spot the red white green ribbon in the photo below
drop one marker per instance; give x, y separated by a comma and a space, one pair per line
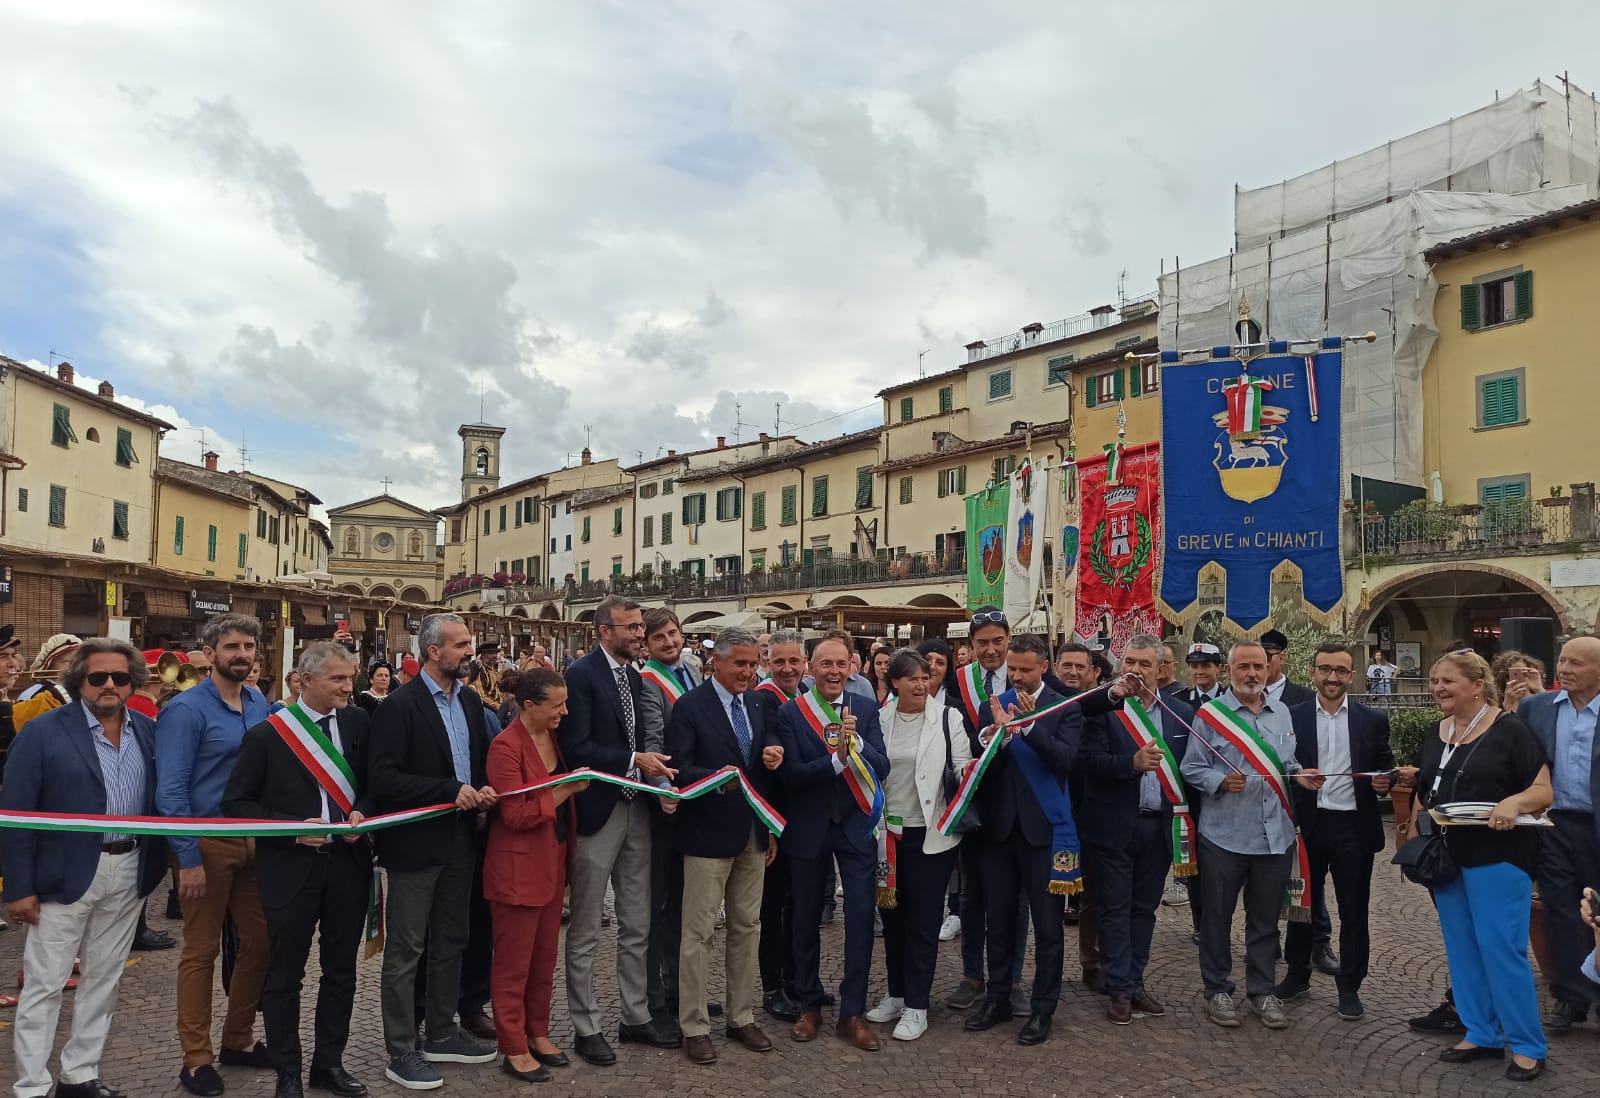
888, 861
1261, 758
819, 713
317, 754
969, 680
659, 673
1145, 731
772, 688
1113, 451
1244, 396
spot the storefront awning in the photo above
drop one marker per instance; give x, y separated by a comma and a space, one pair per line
312, 615
165, 604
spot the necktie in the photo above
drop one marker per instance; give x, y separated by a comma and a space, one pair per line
335, 814
741, 726
988, 682
627, 716
683, 676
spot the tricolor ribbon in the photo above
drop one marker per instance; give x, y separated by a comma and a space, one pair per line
1113, 452
969, 680
1145, 731
888, 861
863, 784
1244, 396
659, 673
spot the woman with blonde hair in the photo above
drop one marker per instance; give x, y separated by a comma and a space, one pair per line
1482, 753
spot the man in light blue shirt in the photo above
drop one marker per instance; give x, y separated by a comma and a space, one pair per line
455, 726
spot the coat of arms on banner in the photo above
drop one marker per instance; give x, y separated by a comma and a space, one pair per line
1123, 540
1120, 496
1252, 443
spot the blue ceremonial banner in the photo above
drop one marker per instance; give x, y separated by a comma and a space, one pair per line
1251, 478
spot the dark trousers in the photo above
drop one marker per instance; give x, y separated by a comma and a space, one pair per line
1128, 882
776, 951
911, 926
1262, 878
858, 871
332, 904
1011, 867
975, 913
433, 904
1569, 861
1335, 846
666, 921
477, 959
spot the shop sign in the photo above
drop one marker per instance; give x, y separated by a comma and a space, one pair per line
5, 584
205, 606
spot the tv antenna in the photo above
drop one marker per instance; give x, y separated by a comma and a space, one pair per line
919, 362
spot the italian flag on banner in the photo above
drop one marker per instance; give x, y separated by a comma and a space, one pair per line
1144, 730
1113, 451
1244, 396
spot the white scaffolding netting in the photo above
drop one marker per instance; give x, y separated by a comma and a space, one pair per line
1340, 251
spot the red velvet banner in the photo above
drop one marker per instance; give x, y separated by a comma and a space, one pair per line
1121, 545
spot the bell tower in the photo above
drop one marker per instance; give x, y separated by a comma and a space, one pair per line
480, 458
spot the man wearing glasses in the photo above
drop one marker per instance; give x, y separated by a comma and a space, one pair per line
1339, 822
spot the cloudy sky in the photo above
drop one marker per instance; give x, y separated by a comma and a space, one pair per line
325, 232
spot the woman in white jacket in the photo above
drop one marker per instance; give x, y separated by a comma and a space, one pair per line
922, 740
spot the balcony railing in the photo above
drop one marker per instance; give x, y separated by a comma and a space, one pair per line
847, 572
1492, 527
1060, 329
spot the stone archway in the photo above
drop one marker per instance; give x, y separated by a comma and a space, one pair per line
415, 595
943, 602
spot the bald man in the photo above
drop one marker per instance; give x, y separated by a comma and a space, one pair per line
1564, 721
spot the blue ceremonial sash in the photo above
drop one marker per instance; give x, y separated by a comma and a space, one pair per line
1066, 874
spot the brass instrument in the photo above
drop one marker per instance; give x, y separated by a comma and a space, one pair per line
167, 666
188, 675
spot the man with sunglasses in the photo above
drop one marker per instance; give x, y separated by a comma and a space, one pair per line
1339, 821
79, 893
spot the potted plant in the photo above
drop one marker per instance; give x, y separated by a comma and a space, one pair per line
1556, 499
1423, 528
1407, 727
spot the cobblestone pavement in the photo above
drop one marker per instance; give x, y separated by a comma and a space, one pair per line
1181, 1054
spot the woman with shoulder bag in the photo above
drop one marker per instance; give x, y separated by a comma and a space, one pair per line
919, 741
1484, 892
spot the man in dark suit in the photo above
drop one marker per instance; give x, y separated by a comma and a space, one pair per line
79, 893
1126, 825
313, 880
726, 848
428, 746
667, 677
1022, 794
1339, 821
604, 730
786, 663
1564, 721
817, 732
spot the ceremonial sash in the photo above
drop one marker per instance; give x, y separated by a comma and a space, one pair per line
774, 689
659, 673
1146, 731
317, 754
1261, 758
243, 828
974, 698
858, 776
888, 860
1066, 874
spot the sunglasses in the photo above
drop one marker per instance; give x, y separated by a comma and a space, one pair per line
990, 617
100, 678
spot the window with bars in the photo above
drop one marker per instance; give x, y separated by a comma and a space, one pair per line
61, 433
906, 484
758, 510
1501, 399
789, 505
125, 455
666, 528
730, 504
119, 520
1000, 384
863, 488
906, 412
947, 398
953, 482
58, 505
819, 496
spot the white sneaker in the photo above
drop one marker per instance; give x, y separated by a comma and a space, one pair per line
950, 930
912, 1024
888, 1010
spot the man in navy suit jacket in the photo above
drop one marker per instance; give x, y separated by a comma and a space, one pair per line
1564, 722
79, 892
825, 822
1339, 821
1126, 827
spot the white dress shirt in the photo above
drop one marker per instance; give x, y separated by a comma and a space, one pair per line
616, 665
1333, 757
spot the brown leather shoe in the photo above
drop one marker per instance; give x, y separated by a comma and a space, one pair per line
480, 1025
806, 1028
1147, 1004
750, 1037
1119, 1008
699, 1049
858, 1033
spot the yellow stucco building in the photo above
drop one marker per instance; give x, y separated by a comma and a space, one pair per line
206, 520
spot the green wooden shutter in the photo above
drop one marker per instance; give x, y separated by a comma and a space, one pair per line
177, 536
863, 488
947, 398
1090, 396
1116, 385
62, 432
1472, 307
211, 543
616, 521
119, 520
961, 481
758, 511
488, 521
585, 527
1135, 379
244, 549
938, 545
58, 505
1524, 291
22, 499
905, 490
819, 496
905, 409
789, 505
125, 455
666, 528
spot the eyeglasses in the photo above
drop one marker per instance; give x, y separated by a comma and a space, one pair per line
1339, 672
100, 678
990, 617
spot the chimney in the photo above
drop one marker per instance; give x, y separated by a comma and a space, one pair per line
766, 442
587, 456
64, 372
672, 453
106, 390
722, 442
1102, 315
211, 460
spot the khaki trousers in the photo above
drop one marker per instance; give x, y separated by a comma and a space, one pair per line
230, 866
708, 883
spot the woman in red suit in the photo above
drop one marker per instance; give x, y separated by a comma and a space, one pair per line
525, 873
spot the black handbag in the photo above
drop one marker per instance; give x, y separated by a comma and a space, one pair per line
1424, 858
952, 782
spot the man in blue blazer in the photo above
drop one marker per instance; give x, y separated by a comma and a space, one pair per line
826, 822
1339, 821
79, 892
1125, 822
1564, 721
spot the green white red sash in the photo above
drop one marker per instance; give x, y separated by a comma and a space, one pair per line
774, 689
819, 713
969, 680
1146, 731
244, 828
659, 673
317, 754
1261, 758
888, 860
